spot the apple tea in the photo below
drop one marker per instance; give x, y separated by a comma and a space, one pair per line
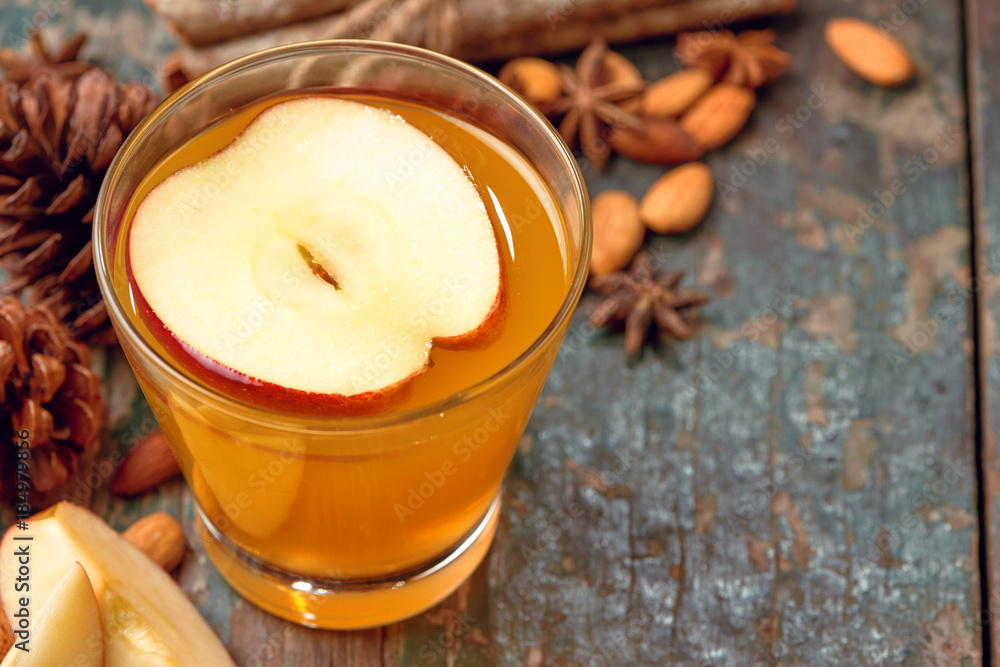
283, 500
341, 297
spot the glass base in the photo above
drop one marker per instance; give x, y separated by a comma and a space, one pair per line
339, 605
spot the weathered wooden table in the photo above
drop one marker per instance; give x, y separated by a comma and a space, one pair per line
814, 478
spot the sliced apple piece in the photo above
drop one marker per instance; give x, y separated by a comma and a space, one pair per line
147, 619
323, 253
67, 631
238, 467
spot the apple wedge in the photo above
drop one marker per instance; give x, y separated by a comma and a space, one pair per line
318, 257
68, 629
147, 619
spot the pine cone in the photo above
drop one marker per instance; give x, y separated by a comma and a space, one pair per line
61, 123
48, 390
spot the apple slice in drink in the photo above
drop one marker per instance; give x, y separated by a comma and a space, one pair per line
241, 466
315, 261
68, 629
147, 619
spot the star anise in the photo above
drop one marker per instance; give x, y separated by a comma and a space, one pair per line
19, 68
642, 299
749, 59
587, 105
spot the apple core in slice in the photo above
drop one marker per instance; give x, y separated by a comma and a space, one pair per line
325, 250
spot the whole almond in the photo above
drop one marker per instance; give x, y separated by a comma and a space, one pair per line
660, 141
536, 79
618, 233
619, 69
160, 537
678, 200
147, 465
719, 114
870, 53
673, 95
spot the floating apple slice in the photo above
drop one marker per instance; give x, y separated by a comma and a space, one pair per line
238, 466
147, 619
68, 629
320, 255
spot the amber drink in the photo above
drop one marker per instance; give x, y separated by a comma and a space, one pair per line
357, 518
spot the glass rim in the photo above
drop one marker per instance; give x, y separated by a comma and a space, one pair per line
341, 423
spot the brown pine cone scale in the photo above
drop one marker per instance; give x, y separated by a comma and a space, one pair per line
61, 123
48, 390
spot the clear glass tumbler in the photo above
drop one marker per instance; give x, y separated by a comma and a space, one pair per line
301, 514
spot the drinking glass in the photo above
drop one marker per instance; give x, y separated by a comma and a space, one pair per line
341, 522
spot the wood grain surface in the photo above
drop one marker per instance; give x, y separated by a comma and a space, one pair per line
797, 484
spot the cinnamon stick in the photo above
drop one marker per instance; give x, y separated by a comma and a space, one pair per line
576, 32
201, 22
479, 31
